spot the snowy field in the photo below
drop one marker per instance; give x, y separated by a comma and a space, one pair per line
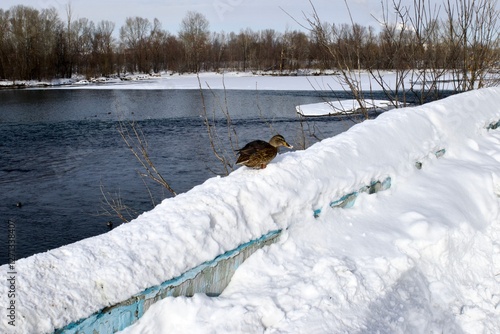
420, 257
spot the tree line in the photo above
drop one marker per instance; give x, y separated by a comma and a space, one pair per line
38, 44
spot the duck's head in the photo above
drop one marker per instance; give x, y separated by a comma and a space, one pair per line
278, 141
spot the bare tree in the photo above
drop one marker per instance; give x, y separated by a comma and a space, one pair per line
296, 50
194, 35
269, 49
134, 36
473, 33
218, 50
82, 31
157, 50
408, 44
5, 47
328, 37
103, 48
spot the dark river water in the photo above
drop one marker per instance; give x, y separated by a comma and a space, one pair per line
61, 149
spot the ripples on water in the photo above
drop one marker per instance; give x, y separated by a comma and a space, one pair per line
57, 147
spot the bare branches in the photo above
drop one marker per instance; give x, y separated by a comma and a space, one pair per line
215, 140
112, 206
328, 37
472, 32
420, 48
134, 138
455, 34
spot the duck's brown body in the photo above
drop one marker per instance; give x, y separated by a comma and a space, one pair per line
258, 153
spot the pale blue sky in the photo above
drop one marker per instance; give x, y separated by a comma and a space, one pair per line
223, 15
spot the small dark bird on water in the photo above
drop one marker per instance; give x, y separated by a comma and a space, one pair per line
258, 153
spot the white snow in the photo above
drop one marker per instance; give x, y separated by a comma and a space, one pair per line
249, 81
309, 80
229, 80
343, 107
420, 257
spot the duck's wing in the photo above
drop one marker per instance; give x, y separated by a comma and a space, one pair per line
253, 147
256, 154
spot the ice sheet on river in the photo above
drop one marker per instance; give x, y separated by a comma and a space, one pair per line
343, 107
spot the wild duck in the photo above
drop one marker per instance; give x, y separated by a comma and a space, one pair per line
258, 153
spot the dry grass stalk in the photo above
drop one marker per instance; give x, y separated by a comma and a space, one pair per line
135, 140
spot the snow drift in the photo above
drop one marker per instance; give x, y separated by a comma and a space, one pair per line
74, 281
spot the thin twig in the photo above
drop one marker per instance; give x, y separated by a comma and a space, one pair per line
137, 144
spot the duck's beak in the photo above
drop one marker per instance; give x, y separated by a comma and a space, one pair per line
288, 145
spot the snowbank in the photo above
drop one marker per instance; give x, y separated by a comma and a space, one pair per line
447, 215
421, 257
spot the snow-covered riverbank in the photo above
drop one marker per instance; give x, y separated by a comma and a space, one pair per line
305, 80
423, 256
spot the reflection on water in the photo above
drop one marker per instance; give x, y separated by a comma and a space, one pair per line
57, 147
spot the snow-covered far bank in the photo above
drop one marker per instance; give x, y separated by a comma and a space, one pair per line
207, 80
228, 80
420, 257
301, 81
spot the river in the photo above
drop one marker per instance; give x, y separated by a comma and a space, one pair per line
61, 149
